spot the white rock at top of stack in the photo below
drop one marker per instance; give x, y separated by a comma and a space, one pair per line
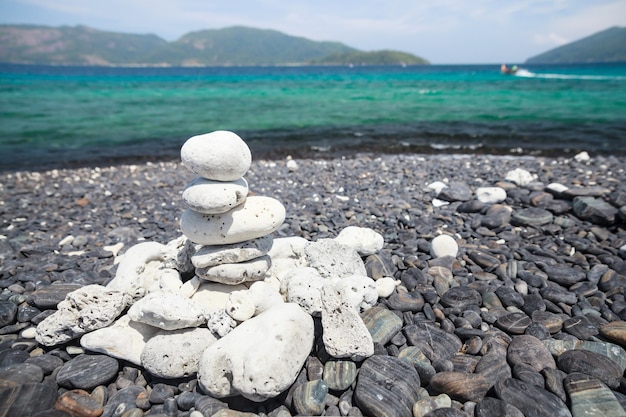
214, 197
219, 155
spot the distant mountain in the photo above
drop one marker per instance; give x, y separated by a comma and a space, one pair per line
81, 45
606, 46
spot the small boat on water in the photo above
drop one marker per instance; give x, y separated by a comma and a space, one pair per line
506, 70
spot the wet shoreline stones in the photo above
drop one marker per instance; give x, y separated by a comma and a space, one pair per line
529, 282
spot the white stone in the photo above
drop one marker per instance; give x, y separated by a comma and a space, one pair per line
213, 295
138, 269
385, 286
178, 254
83, 310
124, 339
444, 245
169, 280
212, 255
304, 287
490, 195
219, 322
556, 188
343, 332
264, 296
240, 305
287, 254
189, 288
582, 157
358, 291
219, 155
237, 273
29, 333
362, 239
175, 354
213, 197
520, 177
334, 260
292, 165
166, 311
437, 186
261, 357
257, 216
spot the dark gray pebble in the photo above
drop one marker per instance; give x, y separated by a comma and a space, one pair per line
530, 399
461, 386
461, 297
8, 311
87, 371
531, 216
406, 301
432, 340
581, 327
590, 397
494, 407
25, 399
594, 210
513, 323
592, 364
50, 295
22, 373
528, 350
122, 401
446, 412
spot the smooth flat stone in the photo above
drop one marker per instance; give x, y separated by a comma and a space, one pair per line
422, 364
213, 255
494, 407
528, 350
256, 217
309, 398
590, 397
494, 367
387, 387
87, 372
513, 323
594, 210
490, 195
381, 323
435, 342
531, 216
339, 375
612, 351
79, 403
615, 331
219, 155
124, 399
460, 385
530, 399
237, 273
214, 197
564, 275
406, 301
25, 399
21, 373
593, 364
8, 311
51, 295
581, 327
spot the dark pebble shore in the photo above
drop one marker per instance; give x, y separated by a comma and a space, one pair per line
528, 319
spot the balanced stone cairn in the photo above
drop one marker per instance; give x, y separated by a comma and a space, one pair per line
227, 302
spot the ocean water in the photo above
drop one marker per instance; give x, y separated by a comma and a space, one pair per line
63, 116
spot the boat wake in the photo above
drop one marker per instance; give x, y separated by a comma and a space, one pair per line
528, 74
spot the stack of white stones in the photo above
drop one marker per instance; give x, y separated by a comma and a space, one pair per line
233, 229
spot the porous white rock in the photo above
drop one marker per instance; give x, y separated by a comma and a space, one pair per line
237, 273
304, 287
264, 296
189, 288
212, 255
124, 339
334, 260
490, 195
344, 333
358, 291
83, 310
240, 305
169, 280
444, 245
385, 286
175, 354
261, 357
520, 177
257, 216
178, 254
168, 311
287, 254
138, 269
219, 155
213, 197
213, 295
219, 322
364, 240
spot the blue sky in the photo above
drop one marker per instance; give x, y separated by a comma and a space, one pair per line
442, 31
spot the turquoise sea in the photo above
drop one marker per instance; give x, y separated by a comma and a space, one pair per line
67, 116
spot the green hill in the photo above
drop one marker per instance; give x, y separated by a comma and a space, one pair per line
606, 46
81, 45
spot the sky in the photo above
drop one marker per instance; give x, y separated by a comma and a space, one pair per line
441, 31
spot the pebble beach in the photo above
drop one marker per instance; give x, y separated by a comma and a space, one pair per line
527, 319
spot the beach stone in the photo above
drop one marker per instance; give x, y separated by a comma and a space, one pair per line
531, 216
610, 350
49, 296
490, 195
418, 359
380, 265
558, 294
214, 197
385, 286
8, 312
520, 176
615, 331
528, 350
339, 375
237, 273
211, 255
447, 412
304, 287
461, 297
240, 305
78, 403
591, 363
455, 191
261, 357
564, 275
309, 398
554, 378
345, 335
175, 354
87, 371
124, 339
83, 310
530, 399
387, 387
214, 295
21, 373
334, 260
406, 301
581, 327
123, 401
589, 397
359, 291
166, 311
494, 407
460, 386
381, 323
25, 399
444, 245
436, 343
264, 296
256, 217
594, 210
220, 155
364, 240
514, 323
47, 362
